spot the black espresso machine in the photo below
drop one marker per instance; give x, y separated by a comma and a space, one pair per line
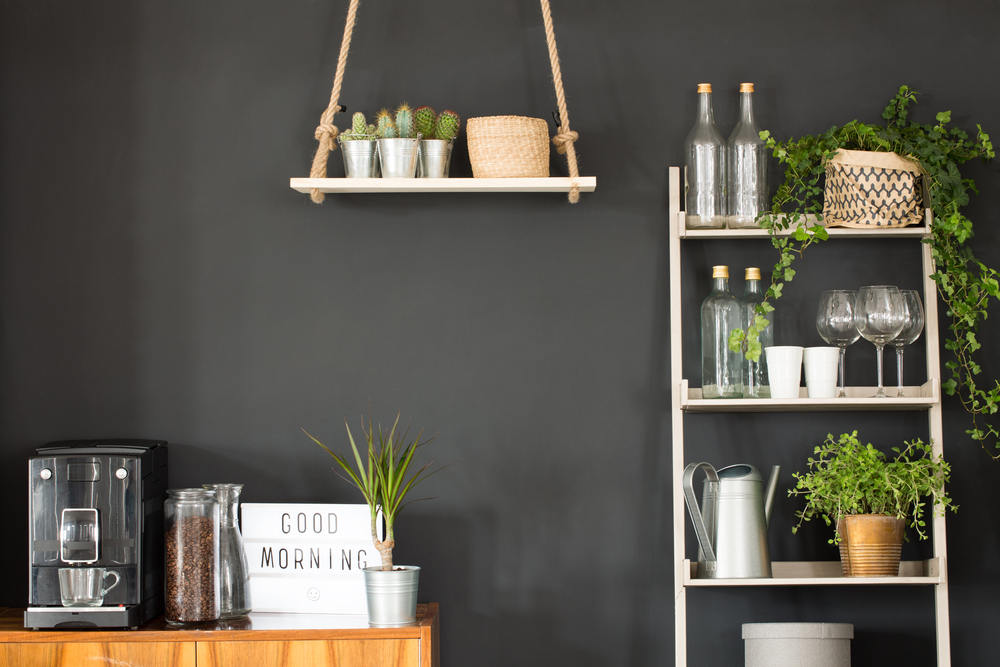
95, 511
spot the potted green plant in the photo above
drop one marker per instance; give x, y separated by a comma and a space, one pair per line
966, 285
437, 132
870, 497
385, 474
398, 142
357, 146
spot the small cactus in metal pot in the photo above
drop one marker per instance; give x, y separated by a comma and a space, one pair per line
404, 121
359, 124
385, 128
447, 125
423, 121
360, 129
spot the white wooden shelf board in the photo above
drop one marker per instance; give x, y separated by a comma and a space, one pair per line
823, 573
922, 397
917, 231
368, 185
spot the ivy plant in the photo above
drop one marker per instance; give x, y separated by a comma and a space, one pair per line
965, 284
844, 477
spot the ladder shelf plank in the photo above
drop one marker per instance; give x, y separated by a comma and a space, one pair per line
823, 573
921, 397
912, 232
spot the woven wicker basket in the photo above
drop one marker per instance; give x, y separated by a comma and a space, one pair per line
508, 147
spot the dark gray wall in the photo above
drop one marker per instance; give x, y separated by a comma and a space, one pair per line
159, 279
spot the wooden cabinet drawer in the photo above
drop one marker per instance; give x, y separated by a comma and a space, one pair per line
315, 653
87, 654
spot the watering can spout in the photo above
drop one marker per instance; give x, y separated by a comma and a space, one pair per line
772, 486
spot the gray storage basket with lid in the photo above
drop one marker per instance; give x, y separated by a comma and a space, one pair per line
798, 644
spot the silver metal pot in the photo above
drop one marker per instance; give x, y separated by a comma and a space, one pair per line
392, 594
435, 158
398, 157
359, 157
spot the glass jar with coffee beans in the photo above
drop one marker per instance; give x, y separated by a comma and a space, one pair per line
191, 556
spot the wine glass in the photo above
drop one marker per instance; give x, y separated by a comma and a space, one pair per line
911, 330
879, 314
835, 324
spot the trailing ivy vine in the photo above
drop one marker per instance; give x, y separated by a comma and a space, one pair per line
966, 285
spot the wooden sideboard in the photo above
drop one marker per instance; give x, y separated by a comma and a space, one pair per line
263, 640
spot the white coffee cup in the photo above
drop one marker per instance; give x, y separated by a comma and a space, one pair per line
784, 370
821, 371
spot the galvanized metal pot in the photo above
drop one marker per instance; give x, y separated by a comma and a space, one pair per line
359, 157
392, 595
435, 158
398, 157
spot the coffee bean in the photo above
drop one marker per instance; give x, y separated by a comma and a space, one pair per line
190, 563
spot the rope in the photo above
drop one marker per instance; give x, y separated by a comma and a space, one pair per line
565, 138
326, 132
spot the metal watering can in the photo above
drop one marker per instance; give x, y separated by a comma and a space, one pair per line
731, 525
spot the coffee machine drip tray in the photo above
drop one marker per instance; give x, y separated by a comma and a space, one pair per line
38, 618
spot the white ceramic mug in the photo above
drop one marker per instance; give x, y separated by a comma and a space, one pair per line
821, 371
784, 370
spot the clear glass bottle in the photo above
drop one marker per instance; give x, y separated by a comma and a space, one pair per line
746, 167
755, 383
191, 556
234, 573
705, 168
721, 313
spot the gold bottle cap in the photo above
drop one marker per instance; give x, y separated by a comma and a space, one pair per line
704, 87
721, 271
751, 273
746, 87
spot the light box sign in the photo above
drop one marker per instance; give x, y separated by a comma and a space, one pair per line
308, 558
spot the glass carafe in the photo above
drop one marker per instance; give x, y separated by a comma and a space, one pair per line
705, 168
721, 313
234, 574
746, 167
755, 383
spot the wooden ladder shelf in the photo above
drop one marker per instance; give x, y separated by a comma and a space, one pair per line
933, 572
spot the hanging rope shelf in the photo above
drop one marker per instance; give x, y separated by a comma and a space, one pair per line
317, 185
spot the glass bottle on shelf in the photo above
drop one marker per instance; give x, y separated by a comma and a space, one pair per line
705, 168
755, 383
234, 574
746, 167
721, 313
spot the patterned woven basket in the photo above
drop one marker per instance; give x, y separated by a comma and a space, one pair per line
872, 189
508, 147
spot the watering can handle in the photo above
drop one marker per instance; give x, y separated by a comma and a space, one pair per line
700, 531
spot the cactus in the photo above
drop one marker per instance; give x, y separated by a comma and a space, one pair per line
423, 121
447, 125
385, 128
358, 124
372, 133
404, 121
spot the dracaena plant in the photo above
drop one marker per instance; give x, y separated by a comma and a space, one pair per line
384, 474
965, 284
845, 477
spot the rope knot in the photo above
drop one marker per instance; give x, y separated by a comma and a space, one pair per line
328, 131
563, 138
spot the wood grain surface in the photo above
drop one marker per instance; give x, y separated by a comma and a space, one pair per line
82, 654
12, 630
315, 653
